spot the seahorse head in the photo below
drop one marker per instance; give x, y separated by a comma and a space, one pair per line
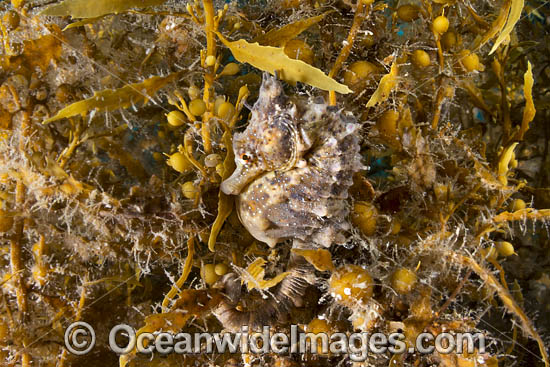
270, 141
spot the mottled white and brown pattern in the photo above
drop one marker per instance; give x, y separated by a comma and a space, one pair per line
295, 163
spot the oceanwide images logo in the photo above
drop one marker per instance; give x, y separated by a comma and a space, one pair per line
123, 339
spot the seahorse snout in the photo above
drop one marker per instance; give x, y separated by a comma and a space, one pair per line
238, 180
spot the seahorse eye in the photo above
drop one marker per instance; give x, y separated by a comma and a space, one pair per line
245, 157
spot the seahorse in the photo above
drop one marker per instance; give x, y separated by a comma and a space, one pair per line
295, 163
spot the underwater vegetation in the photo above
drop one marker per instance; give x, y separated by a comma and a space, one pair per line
340, 165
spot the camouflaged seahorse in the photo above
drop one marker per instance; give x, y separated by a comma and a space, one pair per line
295, 163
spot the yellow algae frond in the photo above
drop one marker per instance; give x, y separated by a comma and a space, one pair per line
93, 9
320, 258
497, 25
254, 276
274, 60
513, 17
504, 163
225, 202
278, 37
387, 84
112, 99
529, 111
